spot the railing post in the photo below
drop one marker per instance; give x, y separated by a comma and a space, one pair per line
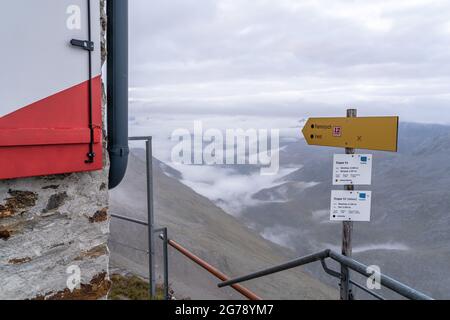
347, 230
166, 264
151, 242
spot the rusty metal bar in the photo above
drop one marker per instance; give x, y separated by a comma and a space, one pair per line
218, 274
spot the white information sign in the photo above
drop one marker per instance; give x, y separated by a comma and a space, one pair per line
352, 169
350, 205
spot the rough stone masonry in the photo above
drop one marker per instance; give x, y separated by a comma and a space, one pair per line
53, 227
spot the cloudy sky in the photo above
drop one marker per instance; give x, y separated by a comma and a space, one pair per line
291, 57
270, 63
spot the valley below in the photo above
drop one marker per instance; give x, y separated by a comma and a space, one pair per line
254, 223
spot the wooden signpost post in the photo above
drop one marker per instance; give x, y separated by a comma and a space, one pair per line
347, 231
372, 133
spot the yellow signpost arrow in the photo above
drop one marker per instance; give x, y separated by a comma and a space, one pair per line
372, 133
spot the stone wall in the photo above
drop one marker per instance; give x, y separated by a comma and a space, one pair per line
51, 228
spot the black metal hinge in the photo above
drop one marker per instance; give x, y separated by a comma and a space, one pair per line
83, 44
91, 157
88, 46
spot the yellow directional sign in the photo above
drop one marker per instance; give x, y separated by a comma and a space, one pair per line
372, 133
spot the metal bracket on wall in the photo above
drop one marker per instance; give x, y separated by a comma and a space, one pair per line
83, 44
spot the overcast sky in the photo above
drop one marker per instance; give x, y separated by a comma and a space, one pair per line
291, 57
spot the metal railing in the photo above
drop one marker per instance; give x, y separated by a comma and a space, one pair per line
344, 261
212, 270
150, 210
163, 235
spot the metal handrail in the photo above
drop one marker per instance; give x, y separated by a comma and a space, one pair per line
352, 264
202, 263
337, 275
279, 268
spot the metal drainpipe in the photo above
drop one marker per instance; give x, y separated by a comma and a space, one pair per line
117, 89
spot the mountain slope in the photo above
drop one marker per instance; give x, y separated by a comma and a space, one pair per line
409, 234
202, 227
